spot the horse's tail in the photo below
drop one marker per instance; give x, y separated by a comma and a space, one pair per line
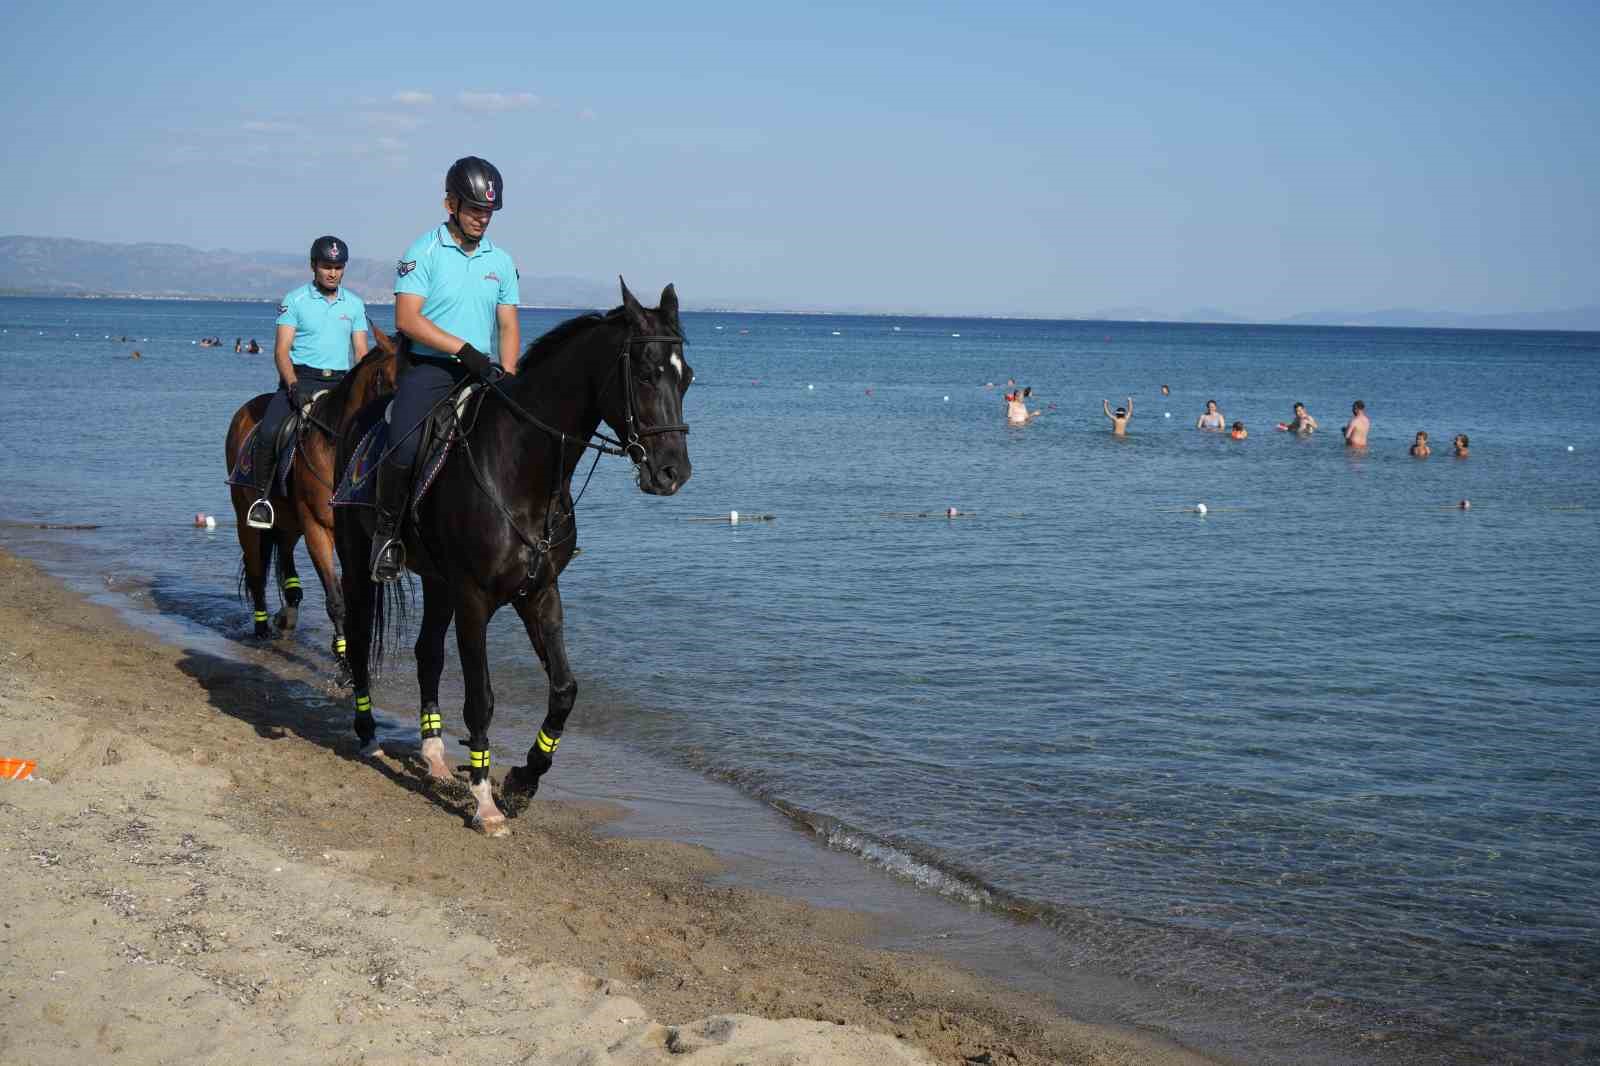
391, 606
270, 564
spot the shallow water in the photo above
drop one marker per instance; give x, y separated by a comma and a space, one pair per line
1323, 760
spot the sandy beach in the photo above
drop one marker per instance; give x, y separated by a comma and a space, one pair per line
201, 874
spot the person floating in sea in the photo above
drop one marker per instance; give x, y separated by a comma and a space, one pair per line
253, 348
1213, 418
1461, 443
1166, 390
1302, 422
1238, 432
1356, 430
1017, 412
1119, 417
319, 325
1420, 449
454, 325
238, 345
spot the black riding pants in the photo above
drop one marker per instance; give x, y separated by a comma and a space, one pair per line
424, 383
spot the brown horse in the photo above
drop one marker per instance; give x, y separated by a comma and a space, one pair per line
306, 511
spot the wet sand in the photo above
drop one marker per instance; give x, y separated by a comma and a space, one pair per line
207, 873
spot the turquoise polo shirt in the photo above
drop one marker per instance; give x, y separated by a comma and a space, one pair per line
322, 327
459, 291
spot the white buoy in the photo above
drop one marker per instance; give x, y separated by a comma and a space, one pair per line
1200, 508
947, 399
1569, 447
211, 521
733, 517
810, 387
1168, 414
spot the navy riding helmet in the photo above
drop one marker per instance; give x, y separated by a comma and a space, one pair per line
330, 250
475, 181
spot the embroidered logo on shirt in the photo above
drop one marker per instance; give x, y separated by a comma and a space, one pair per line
405, 266
344, 318
283, 309
492, 276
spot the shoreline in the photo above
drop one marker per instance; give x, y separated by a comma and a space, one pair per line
264, 781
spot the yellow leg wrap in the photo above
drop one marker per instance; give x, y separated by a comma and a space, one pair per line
480, 759
363, 704
338, 645
546, 742
291, 583
261, 616
432, 723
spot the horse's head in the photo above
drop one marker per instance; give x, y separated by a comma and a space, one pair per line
646, 412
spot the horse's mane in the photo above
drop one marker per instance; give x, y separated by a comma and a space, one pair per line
559, 335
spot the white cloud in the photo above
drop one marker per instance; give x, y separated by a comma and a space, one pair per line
492, 102
413, 97
390, 120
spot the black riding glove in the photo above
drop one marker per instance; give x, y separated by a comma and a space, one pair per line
475, 361
295, 399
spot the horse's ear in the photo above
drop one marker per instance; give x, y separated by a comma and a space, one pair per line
632, 307
668, 307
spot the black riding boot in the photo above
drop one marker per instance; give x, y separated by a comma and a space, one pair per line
260, 515
388, 550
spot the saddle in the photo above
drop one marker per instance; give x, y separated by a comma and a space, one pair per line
358, 482
289, 430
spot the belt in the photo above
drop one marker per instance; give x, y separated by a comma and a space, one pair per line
317, 372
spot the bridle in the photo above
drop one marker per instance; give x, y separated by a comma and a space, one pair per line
632, 447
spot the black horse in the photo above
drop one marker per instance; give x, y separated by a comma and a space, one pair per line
497, 525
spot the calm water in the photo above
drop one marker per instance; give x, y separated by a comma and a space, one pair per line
1326, 756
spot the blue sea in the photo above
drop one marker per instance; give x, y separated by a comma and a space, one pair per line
1322, 762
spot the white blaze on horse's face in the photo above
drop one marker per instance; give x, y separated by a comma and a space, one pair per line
677, 365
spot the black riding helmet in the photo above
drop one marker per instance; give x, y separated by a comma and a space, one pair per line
330, 250
475, 181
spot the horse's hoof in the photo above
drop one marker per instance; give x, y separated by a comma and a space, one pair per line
342, 677
492, 827
287, 618
371, 749
521, 780
263, 631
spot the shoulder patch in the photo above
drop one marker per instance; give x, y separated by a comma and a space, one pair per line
283, 309
405, 266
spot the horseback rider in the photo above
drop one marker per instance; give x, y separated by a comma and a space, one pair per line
319, 325
455, 303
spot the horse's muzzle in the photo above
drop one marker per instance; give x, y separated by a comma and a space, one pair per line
664, 475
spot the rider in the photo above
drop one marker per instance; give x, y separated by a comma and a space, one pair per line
455, 303
319, 324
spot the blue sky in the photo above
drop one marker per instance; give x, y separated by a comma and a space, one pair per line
964, 158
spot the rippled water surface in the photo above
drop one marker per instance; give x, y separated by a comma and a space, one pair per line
1327, 753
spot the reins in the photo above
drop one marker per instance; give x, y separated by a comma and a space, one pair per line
606, 445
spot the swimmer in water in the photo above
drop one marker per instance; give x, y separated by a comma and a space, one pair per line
1302, 423
1420, 449
1356, 430
1017, 413
1238, 432
1119, 418
1212, 420
1166, 390
1461, 443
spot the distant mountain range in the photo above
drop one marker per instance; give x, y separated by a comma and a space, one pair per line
63, 267
59, 267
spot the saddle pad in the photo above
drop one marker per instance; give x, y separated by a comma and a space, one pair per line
358, 485
244, 468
